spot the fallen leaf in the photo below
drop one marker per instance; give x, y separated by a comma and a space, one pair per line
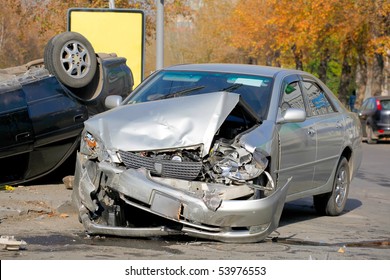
51, 214
341, 250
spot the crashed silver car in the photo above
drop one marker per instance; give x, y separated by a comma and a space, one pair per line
214, 151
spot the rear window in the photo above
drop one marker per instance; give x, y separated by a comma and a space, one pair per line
385, 104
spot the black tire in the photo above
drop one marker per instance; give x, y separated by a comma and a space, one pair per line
47, 55
71, 58
333, 203
369, 134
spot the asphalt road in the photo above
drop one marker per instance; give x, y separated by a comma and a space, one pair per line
44, 218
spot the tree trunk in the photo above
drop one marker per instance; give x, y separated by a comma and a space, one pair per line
361, 81
386, 74
268, 60
251, 60
298, 56
345, 80
377, 75
277, 58
322, 69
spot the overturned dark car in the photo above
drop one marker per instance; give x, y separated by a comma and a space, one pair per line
44, 103
214, 151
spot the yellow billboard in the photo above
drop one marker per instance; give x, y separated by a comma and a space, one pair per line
120, 31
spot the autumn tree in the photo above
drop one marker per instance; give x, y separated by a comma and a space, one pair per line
373, 44
346, 43
200, 36
19, 42
283, 32
312, 35
363, 31
252, 34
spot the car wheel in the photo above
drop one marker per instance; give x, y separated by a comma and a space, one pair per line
333, 203
370, 134
47, 55
71, 58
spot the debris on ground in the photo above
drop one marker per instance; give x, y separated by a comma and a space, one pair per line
68, 182
11, 244
6, 188
341, 250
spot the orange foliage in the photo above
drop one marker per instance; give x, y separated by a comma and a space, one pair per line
306, 26
274, 32
19, 42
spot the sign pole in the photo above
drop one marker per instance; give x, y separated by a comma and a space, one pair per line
160, 35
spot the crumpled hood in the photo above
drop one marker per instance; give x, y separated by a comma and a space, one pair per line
164, 124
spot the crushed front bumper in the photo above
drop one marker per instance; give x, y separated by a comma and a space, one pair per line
201, 213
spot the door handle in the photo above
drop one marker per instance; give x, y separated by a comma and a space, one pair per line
79, 118
21, 136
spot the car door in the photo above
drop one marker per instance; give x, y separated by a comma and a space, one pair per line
57, 120
329, 127
297, 141
17, 136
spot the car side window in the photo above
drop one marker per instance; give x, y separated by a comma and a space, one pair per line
318, 101
292, 97
371, 104
364, 105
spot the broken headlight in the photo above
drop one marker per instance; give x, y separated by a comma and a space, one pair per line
89, 145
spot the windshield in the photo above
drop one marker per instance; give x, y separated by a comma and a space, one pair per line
254, 90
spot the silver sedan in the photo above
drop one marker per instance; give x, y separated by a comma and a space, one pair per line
214, 151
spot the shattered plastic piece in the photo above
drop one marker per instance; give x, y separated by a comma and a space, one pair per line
7, 188
11, 244
341, 250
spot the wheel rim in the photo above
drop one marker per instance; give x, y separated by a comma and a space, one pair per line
341, 187
75, 59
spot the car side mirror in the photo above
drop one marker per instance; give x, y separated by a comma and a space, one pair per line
292, 115
113, 101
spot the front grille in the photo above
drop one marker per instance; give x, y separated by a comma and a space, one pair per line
187, 170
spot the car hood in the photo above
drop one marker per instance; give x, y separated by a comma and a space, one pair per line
164, 124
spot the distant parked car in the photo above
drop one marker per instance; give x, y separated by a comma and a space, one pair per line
214, 151
375, 118
44, 103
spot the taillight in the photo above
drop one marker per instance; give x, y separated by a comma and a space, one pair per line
381, 131
378, 105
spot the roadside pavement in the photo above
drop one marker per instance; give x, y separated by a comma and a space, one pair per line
37, 210
42, 199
